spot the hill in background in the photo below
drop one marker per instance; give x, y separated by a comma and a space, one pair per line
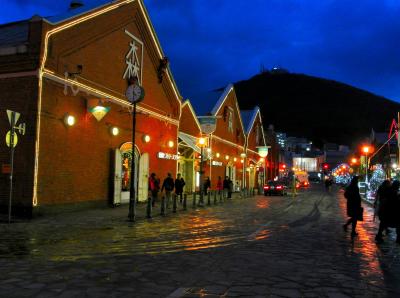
319, 109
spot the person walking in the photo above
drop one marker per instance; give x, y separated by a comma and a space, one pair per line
354, 209
154, 187
168, 185
392, 209
230, 190
179, 184
206, 185
220, 186
225, 185
381, 208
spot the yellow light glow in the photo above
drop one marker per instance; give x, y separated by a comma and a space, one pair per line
242, 155
226, 157
262, 159
242, 161
235, 159
171, 144
146, 138
202, 141
366, 149
209, 150
218, 155
69, 120
354, 160
114, 131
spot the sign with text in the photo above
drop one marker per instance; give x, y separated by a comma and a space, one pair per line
163, 155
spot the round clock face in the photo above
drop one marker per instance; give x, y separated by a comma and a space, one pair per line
135, 93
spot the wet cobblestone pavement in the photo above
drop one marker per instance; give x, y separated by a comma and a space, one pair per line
254, 247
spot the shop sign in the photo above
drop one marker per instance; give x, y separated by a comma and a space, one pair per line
163, 155
208, 124
216, 163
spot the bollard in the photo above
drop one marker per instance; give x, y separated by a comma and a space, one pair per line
149, 208
209, 198
194, 200
215, 197
174, 203
163, 202
184, 201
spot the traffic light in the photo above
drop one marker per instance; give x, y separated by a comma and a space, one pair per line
325, 166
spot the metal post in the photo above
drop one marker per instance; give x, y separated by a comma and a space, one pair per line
11, 164
132, 195
184, 201
174, 203
149, 207
194, 200
366, 169
201, 200
163, 202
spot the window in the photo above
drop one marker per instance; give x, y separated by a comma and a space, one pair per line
230, 120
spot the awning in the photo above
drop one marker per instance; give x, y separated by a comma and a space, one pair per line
189, 141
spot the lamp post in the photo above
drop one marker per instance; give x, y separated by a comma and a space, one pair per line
243, 156
366, 150
202, 143
135, 94
263, 152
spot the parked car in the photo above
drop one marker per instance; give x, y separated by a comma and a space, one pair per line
275, 188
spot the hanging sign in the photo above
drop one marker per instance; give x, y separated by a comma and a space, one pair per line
208, 124
216, 163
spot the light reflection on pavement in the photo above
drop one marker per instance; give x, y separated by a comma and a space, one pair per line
265, 244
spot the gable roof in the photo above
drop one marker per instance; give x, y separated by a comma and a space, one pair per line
187, 102
99, 7
249, 118
73, 13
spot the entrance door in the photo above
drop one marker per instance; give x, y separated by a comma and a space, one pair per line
143, 177
117, 177
126, 157
251, 177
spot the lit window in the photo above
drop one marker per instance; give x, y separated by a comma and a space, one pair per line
230, 121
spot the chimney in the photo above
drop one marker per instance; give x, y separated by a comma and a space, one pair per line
75, 4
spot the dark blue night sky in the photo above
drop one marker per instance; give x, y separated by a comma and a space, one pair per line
211, 43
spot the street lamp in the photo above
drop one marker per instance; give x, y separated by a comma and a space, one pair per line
263, 152
366, 150
243, 161
202, 144
135, 94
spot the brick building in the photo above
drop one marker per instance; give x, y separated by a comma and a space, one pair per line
71, 68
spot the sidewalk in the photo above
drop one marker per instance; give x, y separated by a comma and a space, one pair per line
105, 216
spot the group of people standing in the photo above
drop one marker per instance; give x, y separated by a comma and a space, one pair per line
387, 207
170, 185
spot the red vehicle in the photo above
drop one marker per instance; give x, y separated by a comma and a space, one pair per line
274, 188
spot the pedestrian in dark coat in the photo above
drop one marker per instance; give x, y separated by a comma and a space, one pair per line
207, 185
393, 209
352, 194
381, 209
168, 185
225, 185
179, 184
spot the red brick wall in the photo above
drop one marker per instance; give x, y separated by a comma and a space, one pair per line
74, 163
20, 95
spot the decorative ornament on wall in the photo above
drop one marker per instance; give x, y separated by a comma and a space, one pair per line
97, 108
162, 68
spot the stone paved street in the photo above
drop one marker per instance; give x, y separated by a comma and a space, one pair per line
254, 247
